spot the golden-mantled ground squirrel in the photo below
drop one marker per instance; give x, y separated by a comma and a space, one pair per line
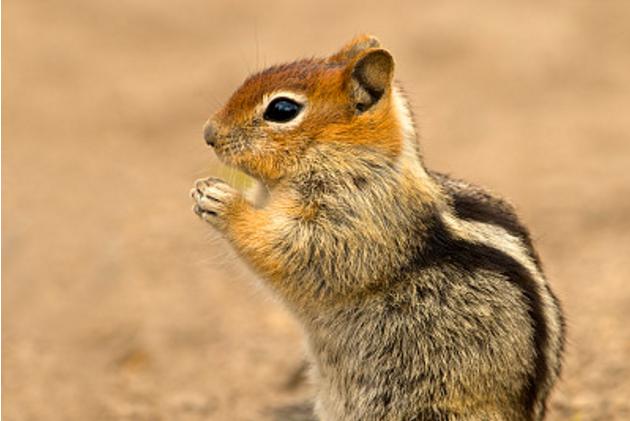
421, 296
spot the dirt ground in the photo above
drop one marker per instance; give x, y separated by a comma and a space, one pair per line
118, 304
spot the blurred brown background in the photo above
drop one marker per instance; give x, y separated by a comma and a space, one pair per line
118, 304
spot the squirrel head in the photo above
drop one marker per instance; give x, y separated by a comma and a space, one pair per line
278, 114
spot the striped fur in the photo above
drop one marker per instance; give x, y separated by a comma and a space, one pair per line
422, 297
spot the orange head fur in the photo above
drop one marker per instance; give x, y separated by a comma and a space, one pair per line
345, 99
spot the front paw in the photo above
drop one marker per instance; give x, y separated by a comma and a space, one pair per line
215, 201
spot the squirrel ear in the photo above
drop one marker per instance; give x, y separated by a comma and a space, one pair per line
371, 75
354, 47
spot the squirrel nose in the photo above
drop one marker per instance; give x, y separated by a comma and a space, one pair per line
210, 134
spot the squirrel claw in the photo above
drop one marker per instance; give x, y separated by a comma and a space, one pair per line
213, 199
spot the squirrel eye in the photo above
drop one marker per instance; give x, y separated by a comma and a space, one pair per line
282, 110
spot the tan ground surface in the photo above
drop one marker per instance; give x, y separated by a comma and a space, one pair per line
118, 304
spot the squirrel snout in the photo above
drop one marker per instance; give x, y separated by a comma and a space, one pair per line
210, 134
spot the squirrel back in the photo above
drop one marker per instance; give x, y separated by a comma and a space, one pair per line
422, 297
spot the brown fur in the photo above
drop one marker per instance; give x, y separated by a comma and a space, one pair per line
422, 297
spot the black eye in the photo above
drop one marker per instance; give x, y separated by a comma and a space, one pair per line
282, 110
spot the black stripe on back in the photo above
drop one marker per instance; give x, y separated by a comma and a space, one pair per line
472, 203
441, 248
